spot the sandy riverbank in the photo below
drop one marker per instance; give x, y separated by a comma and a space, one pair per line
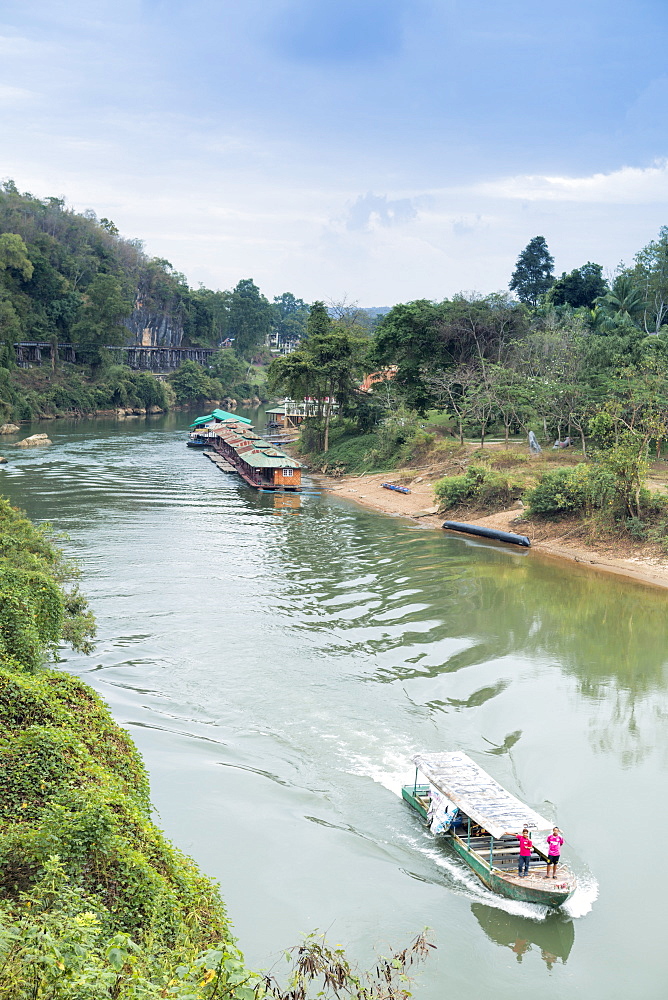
550, 539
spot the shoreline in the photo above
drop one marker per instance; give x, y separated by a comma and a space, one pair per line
419, 506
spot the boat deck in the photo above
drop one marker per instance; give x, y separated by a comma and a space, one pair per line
506, 858
219, 462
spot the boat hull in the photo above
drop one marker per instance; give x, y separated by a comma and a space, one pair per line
525, 890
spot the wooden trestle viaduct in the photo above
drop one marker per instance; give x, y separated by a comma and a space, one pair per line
151, 359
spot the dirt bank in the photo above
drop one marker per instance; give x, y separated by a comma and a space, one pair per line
557, 540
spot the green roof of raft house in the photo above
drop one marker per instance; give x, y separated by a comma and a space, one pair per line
220, 415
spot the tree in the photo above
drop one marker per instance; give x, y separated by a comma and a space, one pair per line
14, 255
192, 384
319, 321
580, 288
208, 317
250, 318
411, 338
290, 316
621, 305
424, 339
326, 368
451, 389
533, 274
651, 275
106, 305
228, 368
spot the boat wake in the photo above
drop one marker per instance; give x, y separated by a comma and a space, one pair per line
464, 882
583, 898
390, 772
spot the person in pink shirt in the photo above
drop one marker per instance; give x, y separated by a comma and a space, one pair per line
554, 845
526, 848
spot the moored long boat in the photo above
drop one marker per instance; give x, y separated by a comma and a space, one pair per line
474, 813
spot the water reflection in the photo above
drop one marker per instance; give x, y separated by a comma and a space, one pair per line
553, 937
287, 503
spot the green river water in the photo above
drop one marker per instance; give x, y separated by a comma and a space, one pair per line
278, 660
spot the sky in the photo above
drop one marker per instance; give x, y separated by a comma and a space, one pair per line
376, 151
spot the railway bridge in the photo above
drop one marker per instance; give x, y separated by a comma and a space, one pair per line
151, 359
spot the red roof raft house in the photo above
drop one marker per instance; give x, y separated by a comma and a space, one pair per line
258, 462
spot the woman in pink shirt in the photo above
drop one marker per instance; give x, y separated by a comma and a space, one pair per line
526, 848
554, 841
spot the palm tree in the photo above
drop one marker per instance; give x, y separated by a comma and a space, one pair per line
623, 305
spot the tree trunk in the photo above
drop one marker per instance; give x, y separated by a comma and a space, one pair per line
461, 431
328, 410
584, 445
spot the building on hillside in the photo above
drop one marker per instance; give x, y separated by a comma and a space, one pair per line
385, 375
281, 344
291, 414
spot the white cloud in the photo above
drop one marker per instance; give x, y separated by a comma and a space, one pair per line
14, 95
372, 210
626, 186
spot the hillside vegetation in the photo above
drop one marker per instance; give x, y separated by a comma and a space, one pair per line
71, 278
95, 903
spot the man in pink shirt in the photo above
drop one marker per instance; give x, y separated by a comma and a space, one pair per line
526, 847
554, 842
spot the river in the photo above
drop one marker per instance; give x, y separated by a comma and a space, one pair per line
278, 659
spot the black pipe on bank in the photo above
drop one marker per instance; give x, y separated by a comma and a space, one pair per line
499, 536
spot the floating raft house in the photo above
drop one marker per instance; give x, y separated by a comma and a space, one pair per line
261, 464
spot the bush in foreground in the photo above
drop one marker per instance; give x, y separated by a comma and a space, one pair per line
480, 486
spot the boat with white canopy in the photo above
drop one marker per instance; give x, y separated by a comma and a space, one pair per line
462, 802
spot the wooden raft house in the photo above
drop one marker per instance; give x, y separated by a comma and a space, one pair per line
261, 464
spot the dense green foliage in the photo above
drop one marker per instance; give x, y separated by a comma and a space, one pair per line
479, 485
94, 902
86, 284
39, 391
71, 278
581, 287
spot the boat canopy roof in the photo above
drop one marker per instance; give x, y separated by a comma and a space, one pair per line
220, 415
477, 795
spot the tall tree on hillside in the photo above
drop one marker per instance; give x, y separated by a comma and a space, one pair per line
105, 308
534, 272
250, 318
15, 268
14, 255
319, 321
290, 318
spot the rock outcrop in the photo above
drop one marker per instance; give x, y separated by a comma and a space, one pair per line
34, 441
